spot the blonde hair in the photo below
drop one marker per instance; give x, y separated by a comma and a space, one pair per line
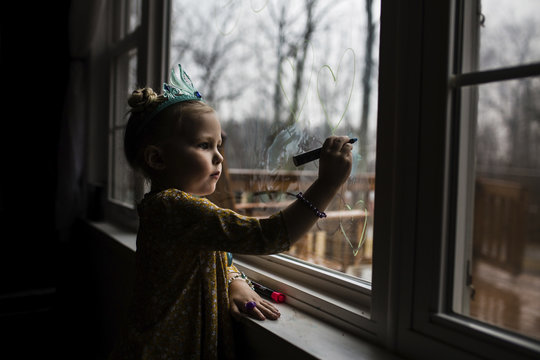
141, 132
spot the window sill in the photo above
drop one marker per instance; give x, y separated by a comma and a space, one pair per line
303, 335
296, 332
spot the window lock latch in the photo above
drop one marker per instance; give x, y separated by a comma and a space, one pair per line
469, 280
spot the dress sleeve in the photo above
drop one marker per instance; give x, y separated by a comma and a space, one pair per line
199, 223
232, 269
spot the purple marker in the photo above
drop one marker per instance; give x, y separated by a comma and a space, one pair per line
312, 155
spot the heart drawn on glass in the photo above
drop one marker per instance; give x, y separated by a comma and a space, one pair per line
362, 229
291, 71
333, 80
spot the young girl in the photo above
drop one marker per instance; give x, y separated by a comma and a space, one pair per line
186, 287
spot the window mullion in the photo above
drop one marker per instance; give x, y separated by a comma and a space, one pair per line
488, 76
464, 107
154, 43
130, 41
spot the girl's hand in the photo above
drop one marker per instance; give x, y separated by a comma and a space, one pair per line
335, 162
240, 293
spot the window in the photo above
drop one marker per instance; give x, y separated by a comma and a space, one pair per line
122, 177
124, 60
466, 281
135, 56
496, 262
307, 70
450, 125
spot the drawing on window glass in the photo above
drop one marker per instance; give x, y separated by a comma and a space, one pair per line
333, 122
283, 76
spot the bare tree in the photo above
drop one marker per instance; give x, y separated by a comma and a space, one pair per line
301, 55
366, 77
280, 55
514, 103
211, 50
298, 50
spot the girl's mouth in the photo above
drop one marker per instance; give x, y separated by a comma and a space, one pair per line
216, 174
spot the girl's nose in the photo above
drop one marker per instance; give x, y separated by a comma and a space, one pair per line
218, 158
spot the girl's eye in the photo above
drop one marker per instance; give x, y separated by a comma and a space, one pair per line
204, 145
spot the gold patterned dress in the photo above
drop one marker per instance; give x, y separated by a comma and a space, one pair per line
180, 306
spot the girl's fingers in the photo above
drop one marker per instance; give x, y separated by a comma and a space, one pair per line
258, 314
336, 143
255, 311
262, 311
346, 148
269, 310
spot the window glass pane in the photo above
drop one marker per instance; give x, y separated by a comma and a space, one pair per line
122, 189
510, 33
506, 218
122, 177
125, 83
283, 76
133, 14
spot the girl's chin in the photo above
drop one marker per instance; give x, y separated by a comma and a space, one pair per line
205, 192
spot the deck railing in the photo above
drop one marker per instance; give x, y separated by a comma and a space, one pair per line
500, 208
333, 242
499, 225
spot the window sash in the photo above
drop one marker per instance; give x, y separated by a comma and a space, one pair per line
122, 45
430, 275
147, 38
334, 297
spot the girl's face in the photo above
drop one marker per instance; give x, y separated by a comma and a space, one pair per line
192, 159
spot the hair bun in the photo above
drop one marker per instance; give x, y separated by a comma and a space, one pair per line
143, 100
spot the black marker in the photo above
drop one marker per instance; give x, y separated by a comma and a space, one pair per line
312, 155
263, 290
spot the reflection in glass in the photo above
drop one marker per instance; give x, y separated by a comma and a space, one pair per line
509, 33
506, 235
283, 76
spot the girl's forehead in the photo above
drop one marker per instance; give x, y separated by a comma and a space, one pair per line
206, 123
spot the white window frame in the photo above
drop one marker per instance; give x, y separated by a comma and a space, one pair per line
426, 320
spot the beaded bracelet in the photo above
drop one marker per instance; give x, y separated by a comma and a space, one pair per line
300, 196
241, 276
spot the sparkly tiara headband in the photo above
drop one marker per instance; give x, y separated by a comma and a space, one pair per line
180, 89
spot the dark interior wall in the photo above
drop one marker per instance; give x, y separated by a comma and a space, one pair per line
34, 67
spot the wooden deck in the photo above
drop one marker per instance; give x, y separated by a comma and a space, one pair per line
506, 271
506, 299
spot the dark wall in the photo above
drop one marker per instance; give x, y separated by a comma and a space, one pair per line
34, 63
34, 67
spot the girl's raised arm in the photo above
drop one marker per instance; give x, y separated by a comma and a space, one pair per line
334, 169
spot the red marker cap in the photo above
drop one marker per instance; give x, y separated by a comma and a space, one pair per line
278, 297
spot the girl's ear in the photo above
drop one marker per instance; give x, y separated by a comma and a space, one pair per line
153, 157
